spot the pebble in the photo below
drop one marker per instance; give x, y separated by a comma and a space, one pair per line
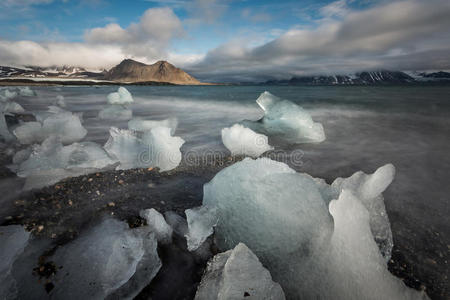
40, 228
111, 204
121, 181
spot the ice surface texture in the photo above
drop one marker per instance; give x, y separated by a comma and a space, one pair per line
56, 122
315, 247
237, 274
13, 240
158, 225
121, 97
244, 141
154, 148
109, 260
50, 161
138, 124
286, 121
201, 222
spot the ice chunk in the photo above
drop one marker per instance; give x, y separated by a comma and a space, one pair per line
4, 131
368, 189
108, 260
56, 122
158, 225
51, 161
26, 91
60, 101
283, 217
10, 107
6, 94
354, 266
138, 124
201, 221
237, 274
244, 141
115, 112
122, 96
29, 133
13, 240
155, 148
286, 120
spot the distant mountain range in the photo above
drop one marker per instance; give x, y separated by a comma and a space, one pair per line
128, 71
366, 78
162, 72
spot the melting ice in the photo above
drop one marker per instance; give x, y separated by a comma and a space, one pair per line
244, 141
286, 120
317, 240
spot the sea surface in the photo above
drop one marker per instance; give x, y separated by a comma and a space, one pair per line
365, 126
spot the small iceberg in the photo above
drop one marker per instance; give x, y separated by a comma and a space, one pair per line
158, 225
50, 162
121, 97
154, 148
117, 109
286, 120
109, 260
244, 141
67, 126
237, 274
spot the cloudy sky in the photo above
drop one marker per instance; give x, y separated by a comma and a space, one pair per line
229, 40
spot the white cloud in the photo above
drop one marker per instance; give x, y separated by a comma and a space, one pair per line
413, 33
149, 38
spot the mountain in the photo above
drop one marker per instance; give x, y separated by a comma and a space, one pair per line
132, 71
362, 78
49, 72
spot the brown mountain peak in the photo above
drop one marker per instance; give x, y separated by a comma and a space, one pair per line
162, 71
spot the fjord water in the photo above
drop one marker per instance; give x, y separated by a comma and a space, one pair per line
366, 127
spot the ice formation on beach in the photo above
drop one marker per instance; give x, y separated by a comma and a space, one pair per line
115, 112
8, 106
6, 94
237, 274
154, 148
286, 120
13, 239
139, 124
201, 222
316, 240
117, 109
121, 97
244, 141
50, 161
158, 225
55, 122
110, 260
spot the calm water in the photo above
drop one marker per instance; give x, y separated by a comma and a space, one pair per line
366, 127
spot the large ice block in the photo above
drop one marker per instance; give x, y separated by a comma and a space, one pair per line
109, 260
244, 141
56, 122
286, 120
314, 246
154, 148
51, 161
237, 274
